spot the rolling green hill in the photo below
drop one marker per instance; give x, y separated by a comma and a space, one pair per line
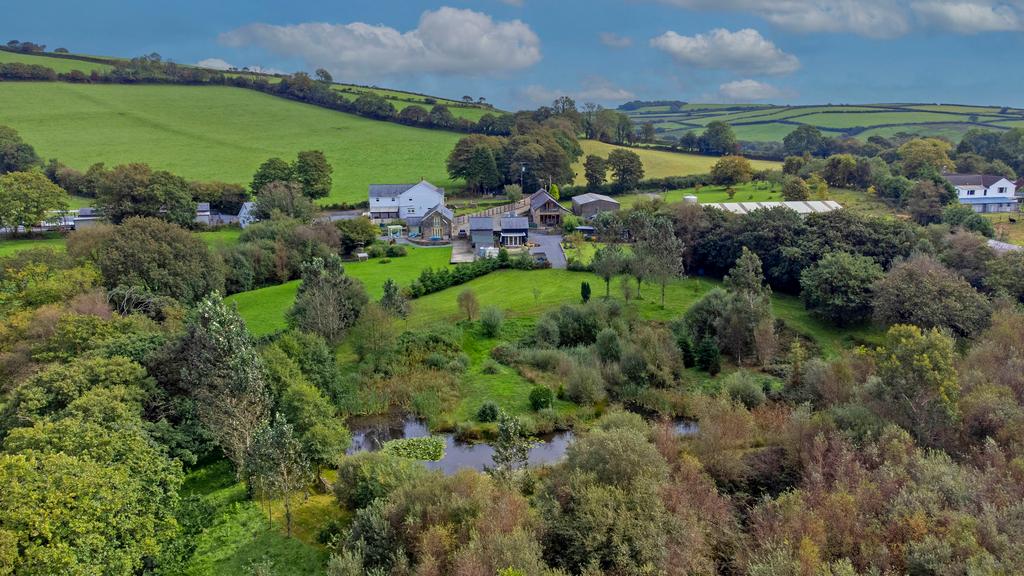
62, 63
216, 133
765, 123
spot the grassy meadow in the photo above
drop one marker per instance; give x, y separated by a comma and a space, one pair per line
527, 294
658, 163
217, 133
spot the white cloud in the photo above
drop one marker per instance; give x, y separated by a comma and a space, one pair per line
876, 18
446, 41
214, 64
613, 40
593, 89
750, 91
744, 50
970, 17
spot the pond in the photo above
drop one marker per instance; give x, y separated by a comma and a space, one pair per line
370, 434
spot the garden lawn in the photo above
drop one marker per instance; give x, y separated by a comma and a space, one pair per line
217, 133
9, 246
658, 163
264, 309
223, 237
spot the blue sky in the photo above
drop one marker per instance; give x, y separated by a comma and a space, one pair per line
521, 53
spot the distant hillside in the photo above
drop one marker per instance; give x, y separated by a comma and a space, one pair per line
216, 133
768, 123
63, 63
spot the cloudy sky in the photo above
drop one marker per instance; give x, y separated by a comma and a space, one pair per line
521, 53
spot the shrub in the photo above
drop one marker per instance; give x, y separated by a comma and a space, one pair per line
366, 476
686, 349
491, 320
396, 251
585, 292
585, 385
541, 397
490, 367
609, 349
742, 387
488, 412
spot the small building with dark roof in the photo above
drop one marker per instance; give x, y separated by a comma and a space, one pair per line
514, 231
481, 232
589, 205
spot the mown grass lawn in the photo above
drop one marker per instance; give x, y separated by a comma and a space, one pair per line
658, 163
223, 237
264, 309
217, 133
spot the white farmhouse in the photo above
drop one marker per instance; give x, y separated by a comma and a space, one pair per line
406, 202
985, 192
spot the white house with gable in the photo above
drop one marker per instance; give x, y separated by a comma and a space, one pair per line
406, 202
985, 192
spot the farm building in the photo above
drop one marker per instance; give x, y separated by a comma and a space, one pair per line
203, 214
87, 217
800, 207
406, 202
436, 225
985, 192
481, 232
589, 205
545, 210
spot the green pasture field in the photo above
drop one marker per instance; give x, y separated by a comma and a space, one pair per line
658, 163
59, 65
950, 120
217, 133
264, 309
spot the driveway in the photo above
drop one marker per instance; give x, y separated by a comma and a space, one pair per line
551, 246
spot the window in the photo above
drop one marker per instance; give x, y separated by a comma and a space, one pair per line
412, 210
1002, 189
970, 192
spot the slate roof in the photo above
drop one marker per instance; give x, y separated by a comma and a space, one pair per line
515, 223
481, 223
442, 210
202, 207
87, 212
591, 197
985, 180
539, 198
396, 190
482, 238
